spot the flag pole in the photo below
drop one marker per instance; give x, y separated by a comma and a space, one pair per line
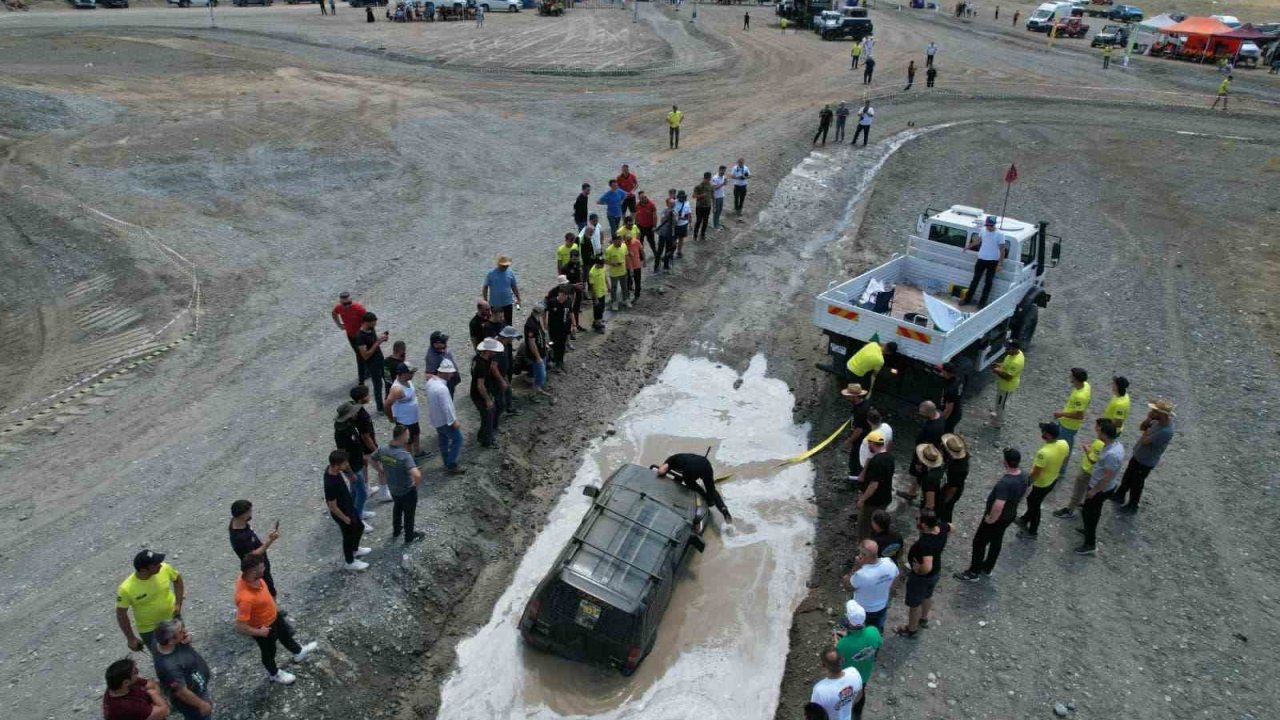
1009, 178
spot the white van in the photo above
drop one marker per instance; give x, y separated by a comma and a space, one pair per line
1047, 15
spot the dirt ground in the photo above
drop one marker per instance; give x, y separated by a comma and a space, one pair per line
181, 205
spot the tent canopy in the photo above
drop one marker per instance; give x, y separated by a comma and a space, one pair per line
1247, 32
1197, 26
1157, 23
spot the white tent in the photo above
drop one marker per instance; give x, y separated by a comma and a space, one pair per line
1146, 32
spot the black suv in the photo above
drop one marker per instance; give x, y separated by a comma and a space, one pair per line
604, 597
849, 27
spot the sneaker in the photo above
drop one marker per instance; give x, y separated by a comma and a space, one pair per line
456, 470
1127, 509
305, 651
967, 576
1021, 523
1087, 550
367, 527
362, 551
282, 677
1064, 514
417, 535
357, 565
368, 514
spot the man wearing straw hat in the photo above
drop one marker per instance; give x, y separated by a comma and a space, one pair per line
858, 426
1157, 432
931, 473
500, 289
956, 451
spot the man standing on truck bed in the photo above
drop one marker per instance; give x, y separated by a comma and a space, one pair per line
688, 468
992, 247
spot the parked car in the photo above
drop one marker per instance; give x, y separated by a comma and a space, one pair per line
1249, 55
848, 27
246, 3
603, 598
83, 4
508, 5
113, 3
1126, 13
1072, 27
193, 3
1111, 35
367, 3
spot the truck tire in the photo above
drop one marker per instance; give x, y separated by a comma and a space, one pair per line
1027, 330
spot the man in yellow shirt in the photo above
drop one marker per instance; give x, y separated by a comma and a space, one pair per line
1091, 451
598, 287
1223, 89
1117, 410
855, 52
155, 593
674, 119
628, 231
1071, 416
1008, 376
615, 257
563, 251
865, 364
1050, 459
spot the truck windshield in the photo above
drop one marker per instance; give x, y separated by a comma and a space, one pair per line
1041, 14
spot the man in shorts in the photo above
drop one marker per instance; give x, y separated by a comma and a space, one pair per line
925, 558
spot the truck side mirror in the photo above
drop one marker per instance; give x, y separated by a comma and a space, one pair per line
591, 491
1055, 254
920, 224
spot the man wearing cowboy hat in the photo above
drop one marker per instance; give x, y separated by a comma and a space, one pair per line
1050, 458
931, 473
875, 482
992, 246
507, 362
487, 386
443, 416
956, 452
501, 290
1157, 432
858, 425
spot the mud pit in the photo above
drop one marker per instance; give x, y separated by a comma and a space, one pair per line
728, 614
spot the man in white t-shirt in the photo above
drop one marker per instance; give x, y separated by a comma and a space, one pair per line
741, 173
992, 246
876, 422
871, 578
839, 690
866, 116
717, 196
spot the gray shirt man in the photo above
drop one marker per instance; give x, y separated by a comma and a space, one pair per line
397, 463
1158, 436
1111, 458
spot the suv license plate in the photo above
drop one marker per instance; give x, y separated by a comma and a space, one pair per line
588, 614
838, 349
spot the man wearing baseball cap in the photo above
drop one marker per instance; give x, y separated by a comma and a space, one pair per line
443, 416
402, 407
858, 648
875, 483
154, 591
992, 246
437, 352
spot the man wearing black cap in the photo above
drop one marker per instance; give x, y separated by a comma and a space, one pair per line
992, 247
154, 591
402, 407
437, 352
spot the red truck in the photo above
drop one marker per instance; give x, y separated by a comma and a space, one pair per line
1072, 27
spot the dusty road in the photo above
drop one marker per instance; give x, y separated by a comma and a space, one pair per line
210, 191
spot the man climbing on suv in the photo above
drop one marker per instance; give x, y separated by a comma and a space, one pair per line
688, 468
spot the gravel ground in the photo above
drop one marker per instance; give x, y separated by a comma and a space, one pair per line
286, 160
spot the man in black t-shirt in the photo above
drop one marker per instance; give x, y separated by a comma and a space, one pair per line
1001, 509
875, 483
353, 433
925, 558
244, 541
689, 468
559, 324
337, 497
956, 452
369, 346
858, 424
952, 393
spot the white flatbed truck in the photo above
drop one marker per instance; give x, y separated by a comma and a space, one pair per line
913, 300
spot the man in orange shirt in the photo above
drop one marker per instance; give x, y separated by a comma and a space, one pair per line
348, 315
635, 261
256, 617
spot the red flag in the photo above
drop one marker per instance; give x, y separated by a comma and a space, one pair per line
1012, 175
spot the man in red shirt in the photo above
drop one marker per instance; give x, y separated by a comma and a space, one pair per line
627, 182
348, 315
129, 697
647, 220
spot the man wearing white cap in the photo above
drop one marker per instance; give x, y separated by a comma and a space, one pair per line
858, 648
486, 387
443, 417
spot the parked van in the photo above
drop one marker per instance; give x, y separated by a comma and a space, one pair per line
1047, 15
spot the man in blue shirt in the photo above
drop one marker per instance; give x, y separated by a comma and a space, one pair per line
612, 200
500, 289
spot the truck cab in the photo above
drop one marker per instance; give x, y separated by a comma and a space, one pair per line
914, 299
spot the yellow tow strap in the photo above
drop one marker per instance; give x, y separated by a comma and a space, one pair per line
816, 448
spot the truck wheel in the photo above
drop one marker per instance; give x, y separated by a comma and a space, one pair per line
1028, 329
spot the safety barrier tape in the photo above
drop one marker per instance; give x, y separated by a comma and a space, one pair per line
816, 448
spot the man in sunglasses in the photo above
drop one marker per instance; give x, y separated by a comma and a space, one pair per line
348, 315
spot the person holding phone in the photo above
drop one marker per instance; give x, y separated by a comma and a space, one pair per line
244, 541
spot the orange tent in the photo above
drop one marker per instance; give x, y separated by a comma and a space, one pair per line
1197, 26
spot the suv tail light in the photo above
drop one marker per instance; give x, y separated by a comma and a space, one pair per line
531, 612
633, 659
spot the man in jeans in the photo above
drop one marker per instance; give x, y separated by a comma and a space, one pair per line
1102, 482
717, 197
402, 477
612, 200
1002, 508
443, 417
1157, 431
256, 616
